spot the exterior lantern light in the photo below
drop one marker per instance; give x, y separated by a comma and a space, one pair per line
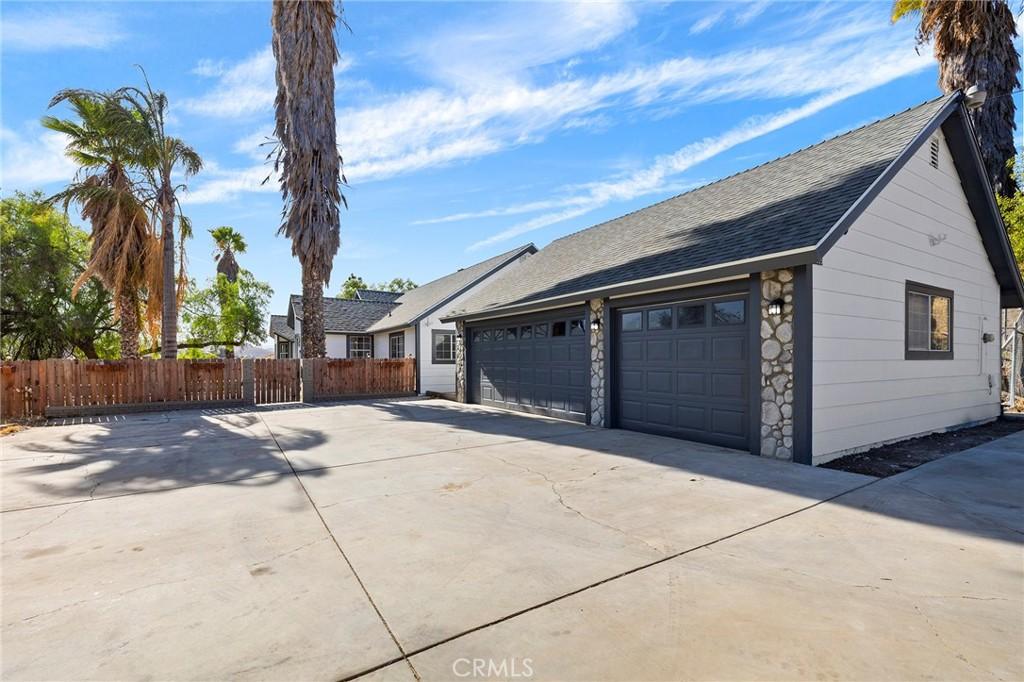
775, 307
595, 324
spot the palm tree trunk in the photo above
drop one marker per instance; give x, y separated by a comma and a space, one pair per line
169, 316
128, 311
313, 342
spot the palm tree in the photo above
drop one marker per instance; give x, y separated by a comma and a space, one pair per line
973, 42
104, 143
228, 242
164, 155
307, 151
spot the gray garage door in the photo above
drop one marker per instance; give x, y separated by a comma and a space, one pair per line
536, 365
682, 370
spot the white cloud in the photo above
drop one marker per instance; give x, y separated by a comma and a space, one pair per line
32, 159
35, 30
508, 40
750, 11
242, 89
707, 22
430, 127
665, 168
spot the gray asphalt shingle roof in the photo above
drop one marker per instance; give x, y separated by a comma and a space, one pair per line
414, 303
377, 295
786, 204
279, 326
347, 315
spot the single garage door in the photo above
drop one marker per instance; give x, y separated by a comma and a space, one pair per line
682, 370
536, 365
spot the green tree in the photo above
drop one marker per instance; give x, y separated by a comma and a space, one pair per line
104, 141
354, 283
226, 313
307, 155
41, 256
973, 43
349, 288
1012, 208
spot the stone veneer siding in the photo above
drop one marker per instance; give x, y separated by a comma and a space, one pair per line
597, 365
460, 361
777, 366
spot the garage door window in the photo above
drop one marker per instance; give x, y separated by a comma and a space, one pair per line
540, 330
728, 312
510, 333
632, 322
660, 318
691, 315
558, 329
575, 327
525, 332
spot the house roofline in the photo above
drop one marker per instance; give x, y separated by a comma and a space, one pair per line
781, 259
518, 253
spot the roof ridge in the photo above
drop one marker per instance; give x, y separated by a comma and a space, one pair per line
760, 165
522, 247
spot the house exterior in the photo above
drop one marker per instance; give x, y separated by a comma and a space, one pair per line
840, 297
382, 324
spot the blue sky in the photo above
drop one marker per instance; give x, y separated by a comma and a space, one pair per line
468, 129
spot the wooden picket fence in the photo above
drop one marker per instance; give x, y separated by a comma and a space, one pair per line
38, 388
277, 381
334, 378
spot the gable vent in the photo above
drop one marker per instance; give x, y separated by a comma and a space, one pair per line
934, 159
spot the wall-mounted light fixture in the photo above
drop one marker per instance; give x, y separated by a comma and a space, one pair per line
775, 307
595, 324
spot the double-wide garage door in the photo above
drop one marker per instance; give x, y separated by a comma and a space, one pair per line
682, 370
536, 365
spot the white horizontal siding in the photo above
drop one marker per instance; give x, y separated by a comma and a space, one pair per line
918, 228
337, 345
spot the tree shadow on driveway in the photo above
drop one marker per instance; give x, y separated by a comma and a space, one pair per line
144, 454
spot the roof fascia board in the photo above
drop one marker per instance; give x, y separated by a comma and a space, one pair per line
981, 199
844, 223
746, 266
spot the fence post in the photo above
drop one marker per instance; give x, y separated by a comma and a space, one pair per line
248, 382
306, 371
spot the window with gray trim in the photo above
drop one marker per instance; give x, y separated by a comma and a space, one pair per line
396, 345
360, 346
443, 345
929, 323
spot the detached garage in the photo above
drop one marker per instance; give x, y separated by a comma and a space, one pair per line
839, 297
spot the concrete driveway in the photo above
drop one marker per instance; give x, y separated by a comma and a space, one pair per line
397, 539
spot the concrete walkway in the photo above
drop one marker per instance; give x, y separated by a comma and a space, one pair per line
404, 538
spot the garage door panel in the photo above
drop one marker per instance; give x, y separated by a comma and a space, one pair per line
659, 381
691, 383
687, 376
538, 366
728, 385
728, 350
690, 350
659, 350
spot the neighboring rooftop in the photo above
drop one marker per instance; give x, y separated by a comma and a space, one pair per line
425, 298
377, 295
279, 326
346, 315
786, 204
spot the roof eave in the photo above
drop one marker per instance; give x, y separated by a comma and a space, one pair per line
784, 259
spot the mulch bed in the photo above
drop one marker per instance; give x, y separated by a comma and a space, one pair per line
887, 460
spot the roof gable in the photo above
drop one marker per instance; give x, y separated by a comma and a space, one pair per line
417, 303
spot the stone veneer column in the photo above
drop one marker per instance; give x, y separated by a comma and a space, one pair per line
777, 366
460, 361
597, 365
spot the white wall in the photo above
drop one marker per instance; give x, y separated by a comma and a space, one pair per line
382, 344
865, 392
337, 345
